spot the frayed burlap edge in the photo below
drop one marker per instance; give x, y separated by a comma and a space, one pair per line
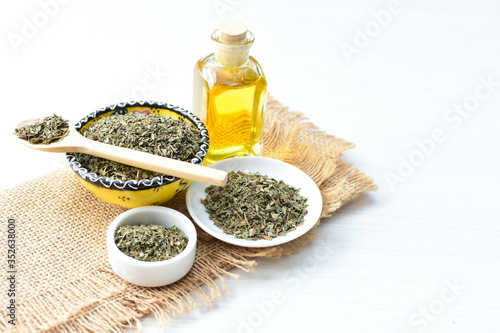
102, 302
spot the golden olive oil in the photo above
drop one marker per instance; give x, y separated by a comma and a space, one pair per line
230, 92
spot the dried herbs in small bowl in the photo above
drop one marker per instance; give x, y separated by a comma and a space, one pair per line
266, 202
150, 242
151, 246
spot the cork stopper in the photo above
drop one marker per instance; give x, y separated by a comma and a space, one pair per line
232, 32
233, 42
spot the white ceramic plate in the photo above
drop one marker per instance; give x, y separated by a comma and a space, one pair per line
265, 166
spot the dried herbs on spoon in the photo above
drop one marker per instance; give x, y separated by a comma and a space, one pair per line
44, 131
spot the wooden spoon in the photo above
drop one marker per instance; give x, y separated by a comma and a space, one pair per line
75, 142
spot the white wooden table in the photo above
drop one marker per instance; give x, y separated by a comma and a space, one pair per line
415, 84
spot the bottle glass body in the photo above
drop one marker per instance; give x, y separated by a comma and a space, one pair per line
231, 103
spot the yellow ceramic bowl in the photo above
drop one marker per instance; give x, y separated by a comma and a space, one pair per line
145, 192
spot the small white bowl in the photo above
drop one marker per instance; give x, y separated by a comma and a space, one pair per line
146, 273
273, 168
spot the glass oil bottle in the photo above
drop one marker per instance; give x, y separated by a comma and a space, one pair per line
230, 92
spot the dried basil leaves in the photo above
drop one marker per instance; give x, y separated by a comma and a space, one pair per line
253, 206
44, 131
150, 242
151, 133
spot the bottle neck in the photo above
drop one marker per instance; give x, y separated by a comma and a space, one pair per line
232, 55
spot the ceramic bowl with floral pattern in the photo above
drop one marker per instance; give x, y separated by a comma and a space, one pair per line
144, 192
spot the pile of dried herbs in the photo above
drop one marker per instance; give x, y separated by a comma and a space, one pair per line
44, 131
253, 206
150, 242
151, 133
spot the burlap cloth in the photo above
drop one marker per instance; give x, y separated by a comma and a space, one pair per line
64, 282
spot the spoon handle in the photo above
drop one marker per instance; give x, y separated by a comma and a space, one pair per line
164, 165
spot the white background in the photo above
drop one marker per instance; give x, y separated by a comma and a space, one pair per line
421, 254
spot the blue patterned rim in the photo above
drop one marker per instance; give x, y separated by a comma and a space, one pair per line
134, 185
